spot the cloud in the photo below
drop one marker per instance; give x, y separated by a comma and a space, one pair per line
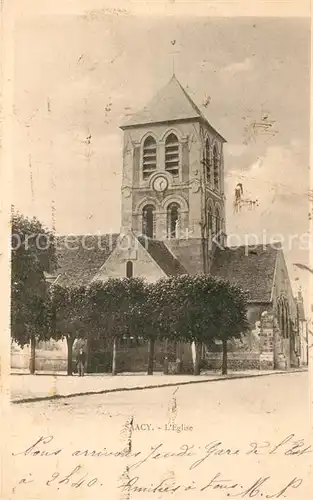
238, 67
279, 181
236, 149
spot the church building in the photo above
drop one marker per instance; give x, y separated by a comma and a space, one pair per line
173, 222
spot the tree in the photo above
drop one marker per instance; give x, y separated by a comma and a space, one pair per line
186, 315
149, 314
158, 316
231, 319
113, 309
32, 254
70, 310
200, 309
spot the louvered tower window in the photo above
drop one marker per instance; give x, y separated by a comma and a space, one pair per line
172, 155
216, 167
207, 162
149, 159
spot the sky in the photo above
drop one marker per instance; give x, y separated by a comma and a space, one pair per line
76, 76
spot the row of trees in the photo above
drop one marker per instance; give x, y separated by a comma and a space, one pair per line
194, 309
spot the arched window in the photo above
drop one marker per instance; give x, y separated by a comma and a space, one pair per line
210, 221
287, 323
172, 155
129, 269
216, 168
283, 321
278, 313
217, 221
208, 162
173, 220
283, 318
148, 221
149, 157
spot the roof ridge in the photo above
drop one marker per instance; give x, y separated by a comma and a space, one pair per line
193, 104
150, 244
81, 235
274, 246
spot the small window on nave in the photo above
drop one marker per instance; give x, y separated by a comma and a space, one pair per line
173, 220
149, 157
172, 155
148, 221
216, 168
129, 269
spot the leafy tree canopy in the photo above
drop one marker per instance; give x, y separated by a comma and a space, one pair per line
199, 308
69, 309
113, 306
32, 254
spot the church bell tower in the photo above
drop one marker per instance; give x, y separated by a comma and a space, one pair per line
173, 170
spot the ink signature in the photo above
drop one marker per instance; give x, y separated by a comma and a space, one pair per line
257, 488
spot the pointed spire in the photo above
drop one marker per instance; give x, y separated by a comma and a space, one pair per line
171, 103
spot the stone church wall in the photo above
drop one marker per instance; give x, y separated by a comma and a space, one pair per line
130, 249
189, 253
236, 361
261, 348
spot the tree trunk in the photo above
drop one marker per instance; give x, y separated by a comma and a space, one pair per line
151, 356
165, 365
114, 356
179, 357
70, 342
224, 361
88, 355
32, 361
195, 358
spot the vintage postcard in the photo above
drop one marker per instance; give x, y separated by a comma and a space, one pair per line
156, 196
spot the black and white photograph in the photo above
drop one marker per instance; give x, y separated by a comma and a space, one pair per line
160, 271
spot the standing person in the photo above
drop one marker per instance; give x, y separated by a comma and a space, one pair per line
81, 360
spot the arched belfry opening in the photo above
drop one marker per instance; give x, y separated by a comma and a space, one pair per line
216, 168
148, 221
172, 155
210, 221
208, 173
218, 221
149, 157
173, 220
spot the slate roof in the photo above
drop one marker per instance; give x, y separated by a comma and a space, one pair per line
162, 256
80, 257
171, 103
251, 268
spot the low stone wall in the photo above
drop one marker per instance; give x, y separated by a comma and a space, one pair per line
235, 361
45, 360
135, 359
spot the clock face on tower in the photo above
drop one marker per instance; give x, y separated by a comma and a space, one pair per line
160, 184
